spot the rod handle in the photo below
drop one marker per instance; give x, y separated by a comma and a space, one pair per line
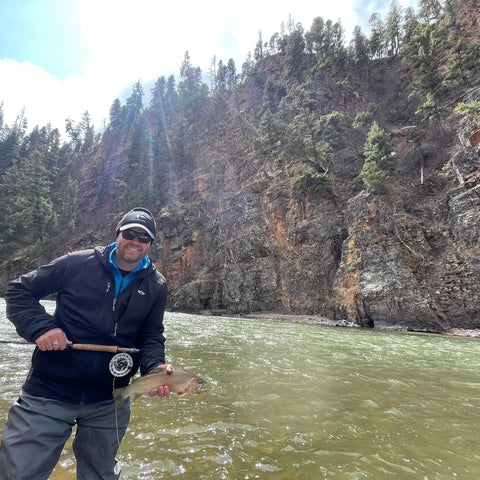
102, 348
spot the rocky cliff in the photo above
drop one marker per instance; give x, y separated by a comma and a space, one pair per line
240, 240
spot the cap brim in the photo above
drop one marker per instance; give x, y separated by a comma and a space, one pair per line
138, 225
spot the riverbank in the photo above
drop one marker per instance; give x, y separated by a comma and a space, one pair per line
463, 332
311, 319
320, 320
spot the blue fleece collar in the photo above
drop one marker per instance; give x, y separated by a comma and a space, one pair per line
122, 281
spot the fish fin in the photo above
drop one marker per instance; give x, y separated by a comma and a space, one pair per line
119, 397
135, 396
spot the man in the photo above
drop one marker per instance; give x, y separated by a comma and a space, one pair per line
109, 295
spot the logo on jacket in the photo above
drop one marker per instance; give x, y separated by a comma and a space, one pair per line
141, 292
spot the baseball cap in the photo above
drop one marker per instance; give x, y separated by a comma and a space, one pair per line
138, 217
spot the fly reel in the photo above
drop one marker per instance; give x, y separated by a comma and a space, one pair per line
120, 364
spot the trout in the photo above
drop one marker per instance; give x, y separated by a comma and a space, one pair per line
178, 381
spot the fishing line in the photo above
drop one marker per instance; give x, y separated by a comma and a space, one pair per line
16, 342
119, 448
120, 365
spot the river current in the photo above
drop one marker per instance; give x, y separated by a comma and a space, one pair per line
290, 401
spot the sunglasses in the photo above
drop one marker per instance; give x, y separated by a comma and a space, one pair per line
130, 234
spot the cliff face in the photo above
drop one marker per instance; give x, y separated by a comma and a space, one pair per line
239, 239
364, 261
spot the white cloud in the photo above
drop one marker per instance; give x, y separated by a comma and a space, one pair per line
27, 86
45, 98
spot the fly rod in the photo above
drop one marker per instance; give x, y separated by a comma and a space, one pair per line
90, 347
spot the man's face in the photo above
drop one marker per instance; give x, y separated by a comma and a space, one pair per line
130, 252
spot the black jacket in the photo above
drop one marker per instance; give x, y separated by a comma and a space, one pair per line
88, 312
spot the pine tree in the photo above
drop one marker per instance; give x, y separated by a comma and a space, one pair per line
424, 50
470, 109
9, 150
134, 104
295, 53
360, 47
231, 74
430, 10
171, 95
377, 36
10, 141
158, 94
88, 133
378, 164
410, 24
393, 28
247, 67
373, 177
221, 78
190, 86
315, 38
115, 117
258, 52
158, 102
25, 195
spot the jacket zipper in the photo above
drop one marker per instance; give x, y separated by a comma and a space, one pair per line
114, 305
115, 327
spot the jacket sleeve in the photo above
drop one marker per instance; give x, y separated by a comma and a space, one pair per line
150, 338
23, 297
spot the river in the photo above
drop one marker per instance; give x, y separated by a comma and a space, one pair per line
290, 401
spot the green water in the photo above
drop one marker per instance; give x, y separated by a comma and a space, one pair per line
292, 401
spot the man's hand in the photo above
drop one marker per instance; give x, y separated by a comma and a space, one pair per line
162, 390
54, 339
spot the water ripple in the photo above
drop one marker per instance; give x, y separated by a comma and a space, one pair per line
290, 401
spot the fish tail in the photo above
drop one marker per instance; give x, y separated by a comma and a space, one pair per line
119, 396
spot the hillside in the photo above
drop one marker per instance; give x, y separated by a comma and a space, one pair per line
329, 184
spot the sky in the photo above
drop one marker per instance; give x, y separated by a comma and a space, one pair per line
60, 58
